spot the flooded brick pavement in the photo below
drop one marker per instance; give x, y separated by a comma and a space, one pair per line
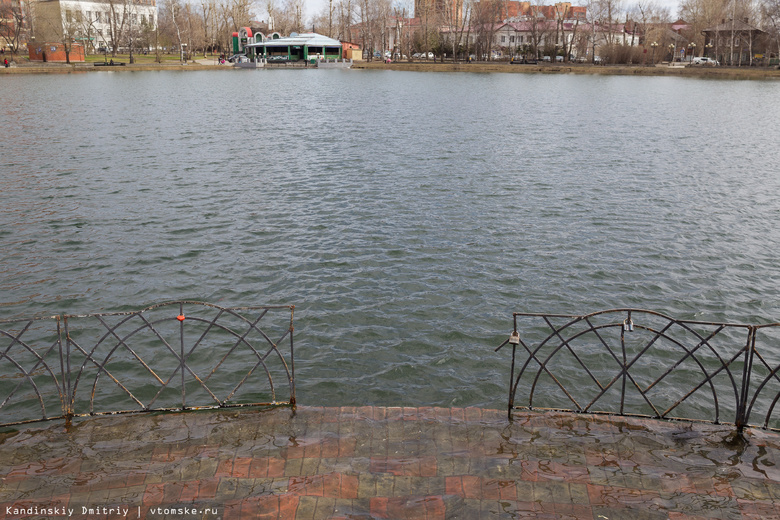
371, 462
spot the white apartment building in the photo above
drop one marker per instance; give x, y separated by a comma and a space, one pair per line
97, 24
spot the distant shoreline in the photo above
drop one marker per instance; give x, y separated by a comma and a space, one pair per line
754, 73
577, 68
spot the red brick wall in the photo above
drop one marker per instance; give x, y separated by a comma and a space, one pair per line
55, 52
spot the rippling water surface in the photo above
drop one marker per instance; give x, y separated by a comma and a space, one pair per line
406, 215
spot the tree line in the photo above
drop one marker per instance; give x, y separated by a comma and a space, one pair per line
457, 29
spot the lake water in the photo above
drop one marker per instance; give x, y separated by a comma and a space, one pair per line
406, 215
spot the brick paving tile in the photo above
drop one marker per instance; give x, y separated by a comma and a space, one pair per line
399, 462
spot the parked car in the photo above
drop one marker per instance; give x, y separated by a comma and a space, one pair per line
559, 59
236, 58
705, 60
546, 59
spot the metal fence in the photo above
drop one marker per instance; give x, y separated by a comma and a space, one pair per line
642, 363
171, 356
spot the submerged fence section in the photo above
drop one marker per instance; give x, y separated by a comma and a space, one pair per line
187, 355
171, 356
639, 362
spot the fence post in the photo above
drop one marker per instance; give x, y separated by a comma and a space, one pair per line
67, 388
292, 357
750, 346
514, 340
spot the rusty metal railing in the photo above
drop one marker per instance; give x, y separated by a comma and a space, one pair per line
170, 356
643, 363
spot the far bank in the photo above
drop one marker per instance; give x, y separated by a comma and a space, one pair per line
755, 73
576, 68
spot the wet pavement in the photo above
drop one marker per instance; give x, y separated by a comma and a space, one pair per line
371, 462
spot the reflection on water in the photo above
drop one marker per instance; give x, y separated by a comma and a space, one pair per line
405, 215
393, 462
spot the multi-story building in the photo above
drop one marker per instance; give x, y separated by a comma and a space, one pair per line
99, 25
450, 10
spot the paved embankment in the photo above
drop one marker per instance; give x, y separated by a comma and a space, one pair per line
371, 462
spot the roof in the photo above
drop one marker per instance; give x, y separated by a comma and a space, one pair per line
733, 25
308, 39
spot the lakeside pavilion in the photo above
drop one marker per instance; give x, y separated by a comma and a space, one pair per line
296, 47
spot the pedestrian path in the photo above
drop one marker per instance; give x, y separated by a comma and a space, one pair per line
372, 462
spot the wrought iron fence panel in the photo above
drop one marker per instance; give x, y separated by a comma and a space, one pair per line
170, 356
631, 362
764, 385
31, 384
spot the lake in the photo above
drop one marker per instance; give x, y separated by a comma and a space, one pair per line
405, 215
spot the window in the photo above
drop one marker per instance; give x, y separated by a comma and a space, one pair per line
97, 16
503, 39
68, 16
151, 20
511, 39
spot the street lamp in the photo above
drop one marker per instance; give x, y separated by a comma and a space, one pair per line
671, 51
692, 47
654, 45
708, 47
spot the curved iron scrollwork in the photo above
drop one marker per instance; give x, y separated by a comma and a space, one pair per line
643, 363
31, 368
170, 356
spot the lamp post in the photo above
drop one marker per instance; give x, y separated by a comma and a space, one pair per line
692, 47
708, 47
671, 51
654, 45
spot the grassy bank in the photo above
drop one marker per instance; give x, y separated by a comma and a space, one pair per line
97, 62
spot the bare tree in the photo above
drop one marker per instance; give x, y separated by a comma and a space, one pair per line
597, 19
454, 20
484, 15
770, 11
11, 23
286, 18
208, 9
323, 22
701, 14
540, 29
652, 18
173, 19
345, 11
118, 17
367, 30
